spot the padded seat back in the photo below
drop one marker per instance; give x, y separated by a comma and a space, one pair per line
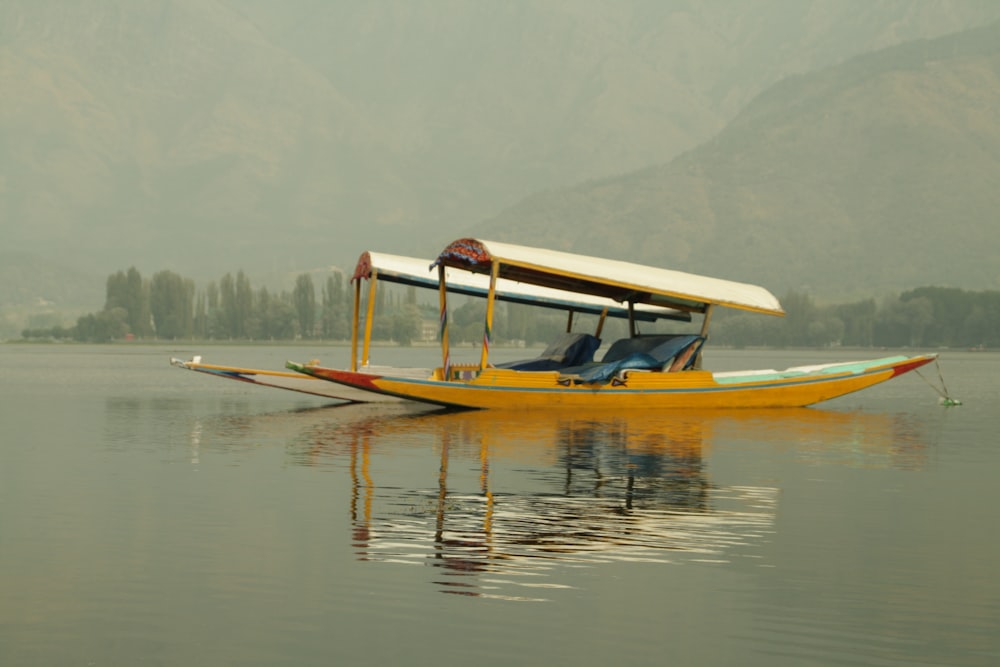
570, 349
573, 349
659, 346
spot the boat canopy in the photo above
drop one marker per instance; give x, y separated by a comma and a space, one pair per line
622, 282
421, 273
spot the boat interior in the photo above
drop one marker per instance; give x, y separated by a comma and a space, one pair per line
572, 354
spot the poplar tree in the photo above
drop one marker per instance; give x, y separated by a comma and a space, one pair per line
334, 310
244, 305
137, 294
171, 300
129, 292
227, 307
200, 324
304, 302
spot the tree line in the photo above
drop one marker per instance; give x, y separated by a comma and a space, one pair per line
171, 307
168, 306
927, 317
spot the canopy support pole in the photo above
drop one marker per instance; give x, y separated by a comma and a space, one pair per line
354, 324
443, 325
704, 333
600, 323
490, 306
369, 318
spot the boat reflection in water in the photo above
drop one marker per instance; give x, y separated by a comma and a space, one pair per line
514, 499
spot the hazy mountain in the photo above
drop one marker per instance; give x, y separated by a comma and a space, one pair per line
206, 136
503, 99
39, 293
174, 133
879, 174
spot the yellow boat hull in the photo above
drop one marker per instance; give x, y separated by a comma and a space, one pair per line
494, 388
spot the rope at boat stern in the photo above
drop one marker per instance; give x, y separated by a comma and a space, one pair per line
946, 399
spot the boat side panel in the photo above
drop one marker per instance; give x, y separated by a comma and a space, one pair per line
497, 388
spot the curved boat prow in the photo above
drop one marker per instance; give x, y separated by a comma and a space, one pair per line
913, 363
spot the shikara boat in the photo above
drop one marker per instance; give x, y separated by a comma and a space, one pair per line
381, 267
641, 372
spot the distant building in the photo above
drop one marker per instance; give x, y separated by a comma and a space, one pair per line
428, 330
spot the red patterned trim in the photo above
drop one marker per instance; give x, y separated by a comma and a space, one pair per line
350, 378
363, 268
465, 253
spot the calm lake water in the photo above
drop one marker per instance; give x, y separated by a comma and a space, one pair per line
151, 515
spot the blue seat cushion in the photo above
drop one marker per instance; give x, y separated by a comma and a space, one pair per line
571, 349
639, 353
623, 347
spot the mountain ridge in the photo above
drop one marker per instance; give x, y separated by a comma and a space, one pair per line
817, 180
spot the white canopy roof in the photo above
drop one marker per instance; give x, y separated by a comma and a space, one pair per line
613, 279
421, 273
